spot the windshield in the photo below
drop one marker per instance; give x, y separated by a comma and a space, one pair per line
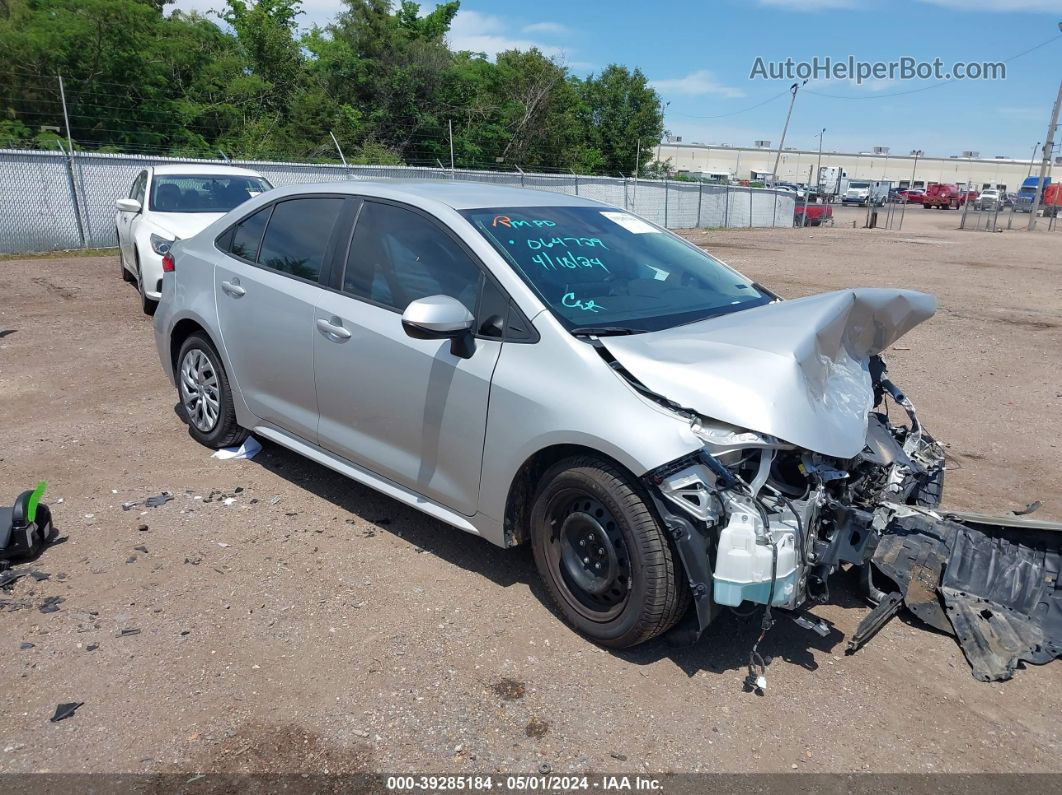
203, 193
595, 266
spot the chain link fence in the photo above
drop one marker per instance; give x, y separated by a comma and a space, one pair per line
51, 201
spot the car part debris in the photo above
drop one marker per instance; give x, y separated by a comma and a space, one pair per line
153, 501
13, 575
1032, 507
64, 711
992, 582
25, 527
51, 604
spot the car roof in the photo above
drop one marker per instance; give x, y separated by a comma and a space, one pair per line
456, 195
205, 168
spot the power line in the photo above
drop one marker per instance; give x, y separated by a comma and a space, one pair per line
736, 112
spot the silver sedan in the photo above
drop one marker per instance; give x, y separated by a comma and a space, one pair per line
669, 436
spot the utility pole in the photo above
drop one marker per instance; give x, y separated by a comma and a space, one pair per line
338, 149
818, 164
637, 169
450, 126
778, 155
1049, 146
66, 118
1032, 158
910, 187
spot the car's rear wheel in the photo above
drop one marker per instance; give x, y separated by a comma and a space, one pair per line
205, 397
603, 555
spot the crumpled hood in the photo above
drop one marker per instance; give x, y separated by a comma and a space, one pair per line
797, 370
184, 225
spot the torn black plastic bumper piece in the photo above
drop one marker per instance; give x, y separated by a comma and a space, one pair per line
992, 582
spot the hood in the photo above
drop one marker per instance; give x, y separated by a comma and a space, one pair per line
184, 225
797, 370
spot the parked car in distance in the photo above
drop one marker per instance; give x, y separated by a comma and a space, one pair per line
942, 195
813, 213
169, 203
912, 195
989, 199
969, 195
541, 368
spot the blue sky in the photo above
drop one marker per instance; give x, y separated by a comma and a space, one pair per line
699, 54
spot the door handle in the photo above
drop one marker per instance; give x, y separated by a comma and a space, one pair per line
330, 329
233, 288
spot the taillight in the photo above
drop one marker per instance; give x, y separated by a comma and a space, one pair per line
167, 263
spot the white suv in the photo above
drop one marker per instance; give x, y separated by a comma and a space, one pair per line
169, 203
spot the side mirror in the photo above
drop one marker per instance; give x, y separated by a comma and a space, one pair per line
440, 317
128, 205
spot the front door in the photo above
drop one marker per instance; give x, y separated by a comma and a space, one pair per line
407, 409
266, 289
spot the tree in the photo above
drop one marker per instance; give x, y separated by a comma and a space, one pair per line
621, 110
380, 77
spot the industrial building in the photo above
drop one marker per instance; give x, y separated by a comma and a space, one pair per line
735, 163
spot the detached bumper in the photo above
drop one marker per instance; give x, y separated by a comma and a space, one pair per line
992, 582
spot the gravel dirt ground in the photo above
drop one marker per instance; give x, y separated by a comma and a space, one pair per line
277, 617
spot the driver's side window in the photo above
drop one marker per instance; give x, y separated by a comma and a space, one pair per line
138, 188
397, 256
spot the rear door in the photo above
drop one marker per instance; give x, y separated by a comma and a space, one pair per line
407, 409
266, 288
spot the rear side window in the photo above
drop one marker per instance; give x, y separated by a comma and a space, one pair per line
247, 237
297, 236
397, 256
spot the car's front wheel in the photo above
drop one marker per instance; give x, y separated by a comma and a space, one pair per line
206, 399
149, 305
126, 275
604, 556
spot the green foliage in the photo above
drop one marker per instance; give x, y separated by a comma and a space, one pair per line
243, 79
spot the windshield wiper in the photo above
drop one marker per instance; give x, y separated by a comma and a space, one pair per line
604, 331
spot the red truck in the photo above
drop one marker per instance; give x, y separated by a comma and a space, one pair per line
813, 213
942, 195
1052, 199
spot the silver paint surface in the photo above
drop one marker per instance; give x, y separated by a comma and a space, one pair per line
797, 370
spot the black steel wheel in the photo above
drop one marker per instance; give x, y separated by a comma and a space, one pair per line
587, 552
603, 555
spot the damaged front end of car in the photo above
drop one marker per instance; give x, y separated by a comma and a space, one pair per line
761, 519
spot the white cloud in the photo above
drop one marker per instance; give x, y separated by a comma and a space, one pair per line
999, 5
696, 84
549, 28
484, 33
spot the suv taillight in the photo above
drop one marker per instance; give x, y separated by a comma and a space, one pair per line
167, 263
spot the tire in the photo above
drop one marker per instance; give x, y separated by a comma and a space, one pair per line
219, 430
127, 277
147, 304
629, 586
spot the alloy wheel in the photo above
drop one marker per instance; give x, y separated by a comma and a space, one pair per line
200, 395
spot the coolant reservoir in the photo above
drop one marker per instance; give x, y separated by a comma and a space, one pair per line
743, 563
